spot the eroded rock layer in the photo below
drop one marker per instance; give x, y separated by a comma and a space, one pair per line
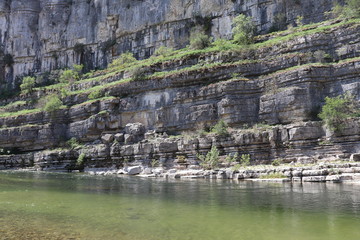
269, 94
42, 35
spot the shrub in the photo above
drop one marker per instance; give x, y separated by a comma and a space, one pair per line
277, 162
230, 159
81, 159
236, 167
78, 68
28, 84
154, 163
163, 51
245, 159
53, 103
220, 128
244, 30
181, 159
199, 40
336, 110
64, 92
210, 160
69, 76
73, 143
299, 21
139, 73
351, 9
95, 94
223, 45
123, 59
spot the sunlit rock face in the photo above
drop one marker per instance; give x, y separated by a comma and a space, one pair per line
42, 35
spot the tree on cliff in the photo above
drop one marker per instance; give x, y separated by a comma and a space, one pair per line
244, 30
338, 109
53, 103
28, 84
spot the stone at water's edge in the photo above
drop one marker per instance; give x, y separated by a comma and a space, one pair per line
133, 170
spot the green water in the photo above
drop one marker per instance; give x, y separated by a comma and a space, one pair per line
70, 206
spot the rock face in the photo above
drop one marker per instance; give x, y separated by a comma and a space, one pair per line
269, 94
42, 35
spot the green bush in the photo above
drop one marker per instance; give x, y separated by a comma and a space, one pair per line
123, 60
139, 73
199, 40
28, 84
81, 159
73, 143
163, 51
221, 128
53, 103
154, 163
230, 159
95, 94
244, 30
64, 92
351, 9
223, 45
210, 160
336, 110
277, 162
245, 159
78, 68
69, 76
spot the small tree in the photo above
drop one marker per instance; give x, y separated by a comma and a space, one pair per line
139, 73
220, 128
245, 159
230, 159
336, 110
199, 40
351, 9
244, 30
211, 159
53, 104
28, 84
78, 68
68, 76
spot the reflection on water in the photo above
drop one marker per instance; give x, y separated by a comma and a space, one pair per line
69, 206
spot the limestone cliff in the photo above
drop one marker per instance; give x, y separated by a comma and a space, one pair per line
42, 35
269, 93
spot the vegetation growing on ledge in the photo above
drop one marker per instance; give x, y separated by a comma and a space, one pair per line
338, 109
165, 62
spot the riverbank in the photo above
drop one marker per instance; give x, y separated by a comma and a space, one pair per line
335, 171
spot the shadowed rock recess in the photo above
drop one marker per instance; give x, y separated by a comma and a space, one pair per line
269, 93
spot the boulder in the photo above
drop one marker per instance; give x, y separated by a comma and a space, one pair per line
107, 138
134, 170
355, 157
135, 129
119, 137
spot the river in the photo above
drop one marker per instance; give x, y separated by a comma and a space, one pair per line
78, 206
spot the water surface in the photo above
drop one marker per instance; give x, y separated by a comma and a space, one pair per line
75, 206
